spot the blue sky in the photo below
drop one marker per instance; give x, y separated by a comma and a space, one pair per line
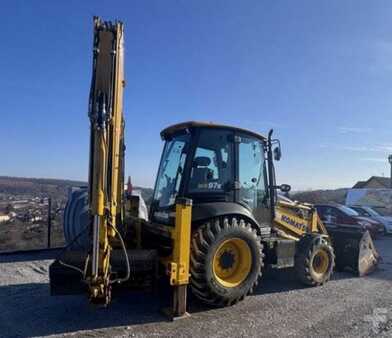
318, 72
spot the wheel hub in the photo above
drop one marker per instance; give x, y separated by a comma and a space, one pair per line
232, 262
227, 259
320, 262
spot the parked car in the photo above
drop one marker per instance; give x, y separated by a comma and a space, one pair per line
343, 216
386, 221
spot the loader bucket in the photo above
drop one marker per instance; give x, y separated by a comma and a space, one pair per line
354, 250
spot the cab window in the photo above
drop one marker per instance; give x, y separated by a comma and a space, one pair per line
211, 169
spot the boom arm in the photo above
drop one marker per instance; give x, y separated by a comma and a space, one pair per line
106, 172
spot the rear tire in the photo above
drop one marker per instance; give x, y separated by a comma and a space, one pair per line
314, 261
226, 261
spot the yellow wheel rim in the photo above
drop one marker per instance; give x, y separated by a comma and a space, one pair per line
320, 262
232, 262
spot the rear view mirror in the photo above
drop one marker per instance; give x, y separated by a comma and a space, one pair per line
277, 153
285, 187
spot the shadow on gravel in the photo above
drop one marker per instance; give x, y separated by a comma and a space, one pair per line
30, 255
29, 310
277, 281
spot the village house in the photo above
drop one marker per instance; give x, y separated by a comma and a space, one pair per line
374, 182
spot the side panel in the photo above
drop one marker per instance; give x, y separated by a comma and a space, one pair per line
280, 253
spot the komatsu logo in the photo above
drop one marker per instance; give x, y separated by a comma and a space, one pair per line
293, 223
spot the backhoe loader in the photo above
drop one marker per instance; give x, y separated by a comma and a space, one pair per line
215, 221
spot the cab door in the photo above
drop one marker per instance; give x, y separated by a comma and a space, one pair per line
252, 192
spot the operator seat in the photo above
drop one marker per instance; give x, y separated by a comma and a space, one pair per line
200, 172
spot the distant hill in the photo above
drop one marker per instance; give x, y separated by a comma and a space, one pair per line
37, 186
48, 187
321, 196
59, 188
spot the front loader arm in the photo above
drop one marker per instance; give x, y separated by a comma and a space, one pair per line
294, 219
353, 248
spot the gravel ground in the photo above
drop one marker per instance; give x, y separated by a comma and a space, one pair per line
345, 307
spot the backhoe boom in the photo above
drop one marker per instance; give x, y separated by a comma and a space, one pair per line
106, 149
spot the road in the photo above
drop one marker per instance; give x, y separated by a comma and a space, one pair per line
347, 306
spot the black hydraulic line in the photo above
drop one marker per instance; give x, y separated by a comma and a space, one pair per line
271, 175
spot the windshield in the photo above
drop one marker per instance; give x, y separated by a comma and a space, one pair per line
372, 212
362, 211
171, 170
348, 211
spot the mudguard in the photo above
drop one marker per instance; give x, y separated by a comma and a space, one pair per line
203, 211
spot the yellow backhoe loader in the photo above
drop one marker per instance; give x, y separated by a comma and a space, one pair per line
215, 221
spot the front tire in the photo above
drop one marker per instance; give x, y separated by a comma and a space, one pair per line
226, 261
314, 261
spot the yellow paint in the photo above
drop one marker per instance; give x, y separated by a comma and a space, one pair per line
115, 131
283, 215
104, 254
296, 219
97, 205
178, 265
320, 225
320, 262
106, 148
232, 262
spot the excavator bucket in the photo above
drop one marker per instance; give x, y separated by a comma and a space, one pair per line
354, 250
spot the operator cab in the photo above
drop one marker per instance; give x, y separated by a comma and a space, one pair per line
217, 166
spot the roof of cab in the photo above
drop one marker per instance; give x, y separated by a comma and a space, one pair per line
196, 124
